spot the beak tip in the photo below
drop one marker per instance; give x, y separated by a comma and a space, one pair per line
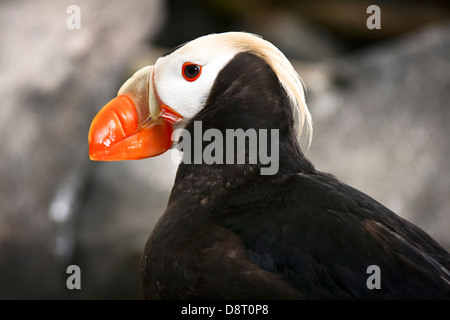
93, 155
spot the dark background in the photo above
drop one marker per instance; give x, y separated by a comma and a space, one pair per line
379, 101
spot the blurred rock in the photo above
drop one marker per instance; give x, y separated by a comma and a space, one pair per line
381, 124
346, 19
291, 33
52, 83
276, 21
311, 30
123, 203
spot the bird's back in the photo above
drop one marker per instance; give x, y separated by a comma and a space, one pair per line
321, 236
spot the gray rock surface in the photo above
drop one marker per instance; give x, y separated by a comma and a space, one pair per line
53, 81
380, 117
382, 125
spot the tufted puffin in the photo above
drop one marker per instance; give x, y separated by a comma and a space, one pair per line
233, 231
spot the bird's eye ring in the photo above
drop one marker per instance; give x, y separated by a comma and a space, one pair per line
191, 71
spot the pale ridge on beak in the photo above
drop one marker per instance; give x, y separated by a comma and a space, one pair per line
140, 88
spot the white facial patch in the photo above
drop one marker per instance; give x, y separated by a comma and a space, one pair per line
185, 97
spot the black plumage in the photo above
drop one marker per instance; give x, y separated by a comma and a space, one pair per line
230, 233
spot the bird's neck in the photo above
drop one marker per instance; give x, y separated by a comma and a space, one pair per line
234, 156
244, 132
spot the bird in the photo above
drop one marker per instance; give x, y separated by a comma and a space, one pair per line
232, 230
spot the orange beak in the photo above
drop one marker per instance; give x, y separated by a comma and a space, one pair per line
135, 124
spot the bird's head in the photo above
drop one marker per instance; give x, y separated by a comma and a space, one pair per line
157, 99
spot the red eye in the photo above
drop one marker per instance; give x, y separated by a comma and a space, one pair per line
191, 71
